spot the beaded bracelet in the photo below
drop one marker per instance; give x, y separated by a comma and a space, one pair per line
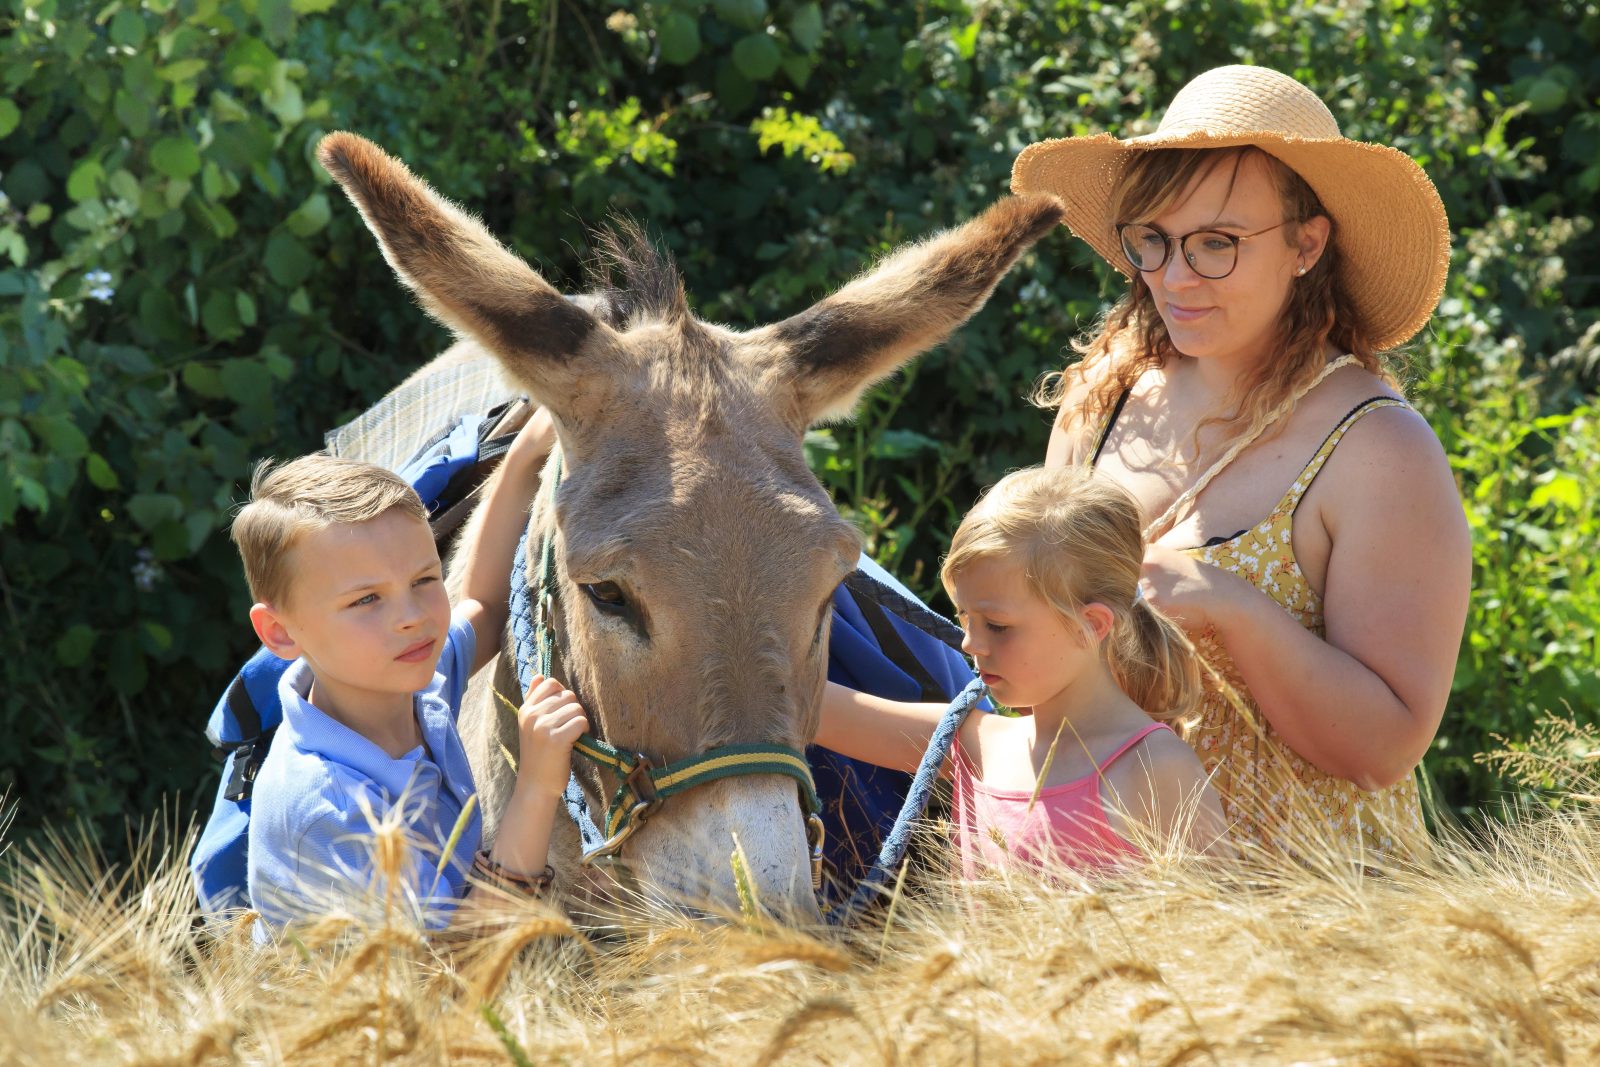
532, 885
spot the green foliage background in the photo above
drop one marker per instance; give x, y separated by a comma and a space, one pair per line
182, 291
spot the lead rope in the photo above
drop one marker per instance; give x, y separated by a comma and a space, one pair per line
1169, 517
890, 856
534, 649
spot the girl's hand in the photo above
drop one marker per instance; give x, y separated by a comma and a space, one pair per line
1190, 593
549, 723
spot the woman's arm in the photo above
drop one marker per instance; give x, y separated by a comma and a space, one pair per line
880, 731
1365, 702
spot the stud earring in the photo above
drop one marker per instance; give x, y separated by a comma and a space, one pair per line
1299, 272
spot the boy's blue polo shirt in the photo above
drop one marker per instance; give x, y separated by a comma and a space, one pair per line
311, 840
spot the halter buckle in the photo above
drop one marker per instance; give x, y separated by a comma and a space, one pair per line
646, 801
816, 836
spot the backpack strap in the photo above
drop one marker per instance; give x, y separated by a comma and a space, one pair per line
894, 646
245, 755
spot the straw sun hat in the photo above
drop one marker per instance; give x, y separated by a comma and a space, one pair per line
1389, 223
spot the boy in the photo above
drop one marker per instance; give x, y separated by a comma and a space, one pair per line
348, 583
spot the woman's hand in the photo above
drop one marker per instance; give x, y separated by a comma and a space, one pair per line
549, 723
1192, 594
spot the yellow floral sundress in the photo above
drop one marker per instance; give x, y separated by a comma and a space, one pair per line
1272, 796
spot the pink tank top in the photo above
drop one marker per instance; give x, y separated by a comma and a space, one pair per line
994, 828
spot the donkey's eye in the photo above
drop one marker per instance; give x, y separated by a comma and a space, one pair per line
606, 596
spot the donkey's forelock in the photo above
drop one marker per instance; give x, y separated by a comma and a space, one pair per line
651, 290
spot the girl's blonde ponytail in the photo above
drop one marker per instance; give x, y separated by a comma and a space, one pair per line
1155, 663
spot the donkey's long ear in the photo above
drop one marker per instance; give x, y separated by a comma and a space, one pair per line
835, 349
463, 276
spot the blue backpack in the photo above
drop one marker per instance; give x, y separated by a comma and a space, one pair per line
444, 472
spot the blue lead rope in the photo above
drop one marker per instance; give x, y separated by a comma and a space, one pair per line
530, 661
893, 852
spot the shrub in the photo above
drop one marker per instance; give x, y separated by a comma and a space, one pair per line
182, 292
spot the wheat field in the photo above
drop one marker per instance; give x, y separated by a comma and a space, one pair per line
1484, 949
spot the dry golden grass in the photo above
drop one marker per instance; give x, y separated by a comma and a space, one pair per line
1483, 952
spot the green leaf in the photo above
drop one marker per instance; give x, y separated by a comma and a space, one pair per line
125, 186
1563, 490
176, 157
277, 18
150, 510
279, 365
198, 526
799, 69
74, 646
10, 116
757, 56
132, 112
203, 380
101, 476
34, 497
806, 27
226, 109
60, 435
312, 7
220, 315
128, 28
97, 86
246, 381
157, 637
283, 97
679, 36
84, 181
248, 62
287, 261
745, 14
310, 216
246, 307
182, 70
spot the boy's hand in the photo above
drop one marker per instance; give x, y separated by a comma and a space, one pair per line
549, 722
532, 445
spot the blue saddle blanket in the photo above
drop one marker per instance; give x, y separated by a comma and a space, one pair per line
860, 801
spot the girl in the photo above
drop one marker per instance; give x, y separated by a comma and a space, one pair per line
1045, 576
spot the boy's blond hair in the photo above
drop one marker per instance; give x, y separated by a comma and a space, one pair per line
311, 493
1079, 540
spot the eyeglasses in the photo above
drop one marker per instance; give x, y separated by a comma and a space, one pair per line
1210, 253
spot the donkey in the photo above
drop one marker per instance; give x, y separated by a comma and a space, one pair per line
695, 554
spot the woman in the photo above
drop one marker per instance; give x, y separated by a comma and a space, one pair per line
1304, 523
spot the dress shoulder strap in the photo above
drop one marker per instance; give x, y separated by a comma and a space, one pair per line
1134, 740
1105, 428
1175, 510
1313, 467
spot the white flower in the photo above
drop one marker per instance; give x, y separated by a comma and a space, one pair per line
99, 282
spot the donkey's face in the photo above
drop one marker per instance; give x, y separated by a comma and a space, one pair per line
696, 555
